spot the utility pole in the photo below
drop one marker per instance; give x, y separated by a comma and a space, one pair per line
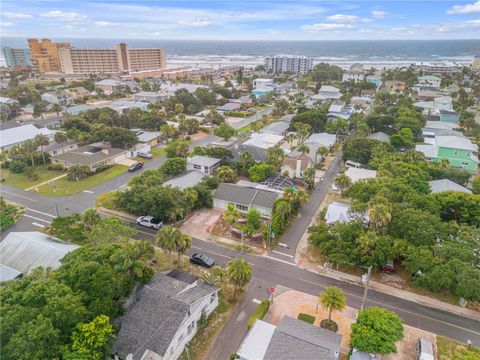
54, 200
365, 280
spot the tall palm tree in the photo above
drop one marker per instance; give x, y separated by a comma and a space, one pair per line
61, 138
130, 259
183, 246
343, 182
56, 108
303, 148
295, 195
379, 214
30, 147
225, 174
322, 151
230, 215
42, 141
169, 238
239, 273
90, 218
332, 299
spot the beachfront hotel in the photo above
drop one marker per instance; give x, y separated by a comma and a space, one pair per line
48, 56
288, 64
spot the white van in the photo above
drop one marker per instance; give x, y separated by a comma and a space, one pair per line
425, 349
353, 164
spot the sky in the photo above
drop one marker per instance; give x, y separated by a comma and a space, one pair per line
241, 20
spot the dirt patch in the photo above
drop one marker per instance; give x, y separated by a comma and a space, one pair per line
200, 223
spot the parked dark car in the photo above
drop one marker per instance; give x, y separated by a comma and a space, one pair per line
202, 260
135, 167
144, 155
388, 268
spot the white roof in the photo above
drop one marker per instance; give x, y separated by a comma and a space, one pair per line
443, 99
455, 142
203, 160
20, 134
440, 125
328, 88
174, 87
144, 135
356, 174
335, 108
186, 180
24, 251
6, 100
108, 82
263, 141
430, 151
256, 342
379, 136
322, 139
446, 185
337, 212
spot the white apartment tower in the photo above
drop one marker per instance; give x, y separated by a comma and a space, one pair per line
292, 64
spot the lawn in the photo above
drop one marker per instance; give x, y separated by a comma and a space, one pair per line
158, 152
245, 128
65, 187
21, 181
448, 349
107, 200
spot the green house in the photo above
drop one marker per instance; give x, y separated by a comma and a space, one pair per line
458, 151
449, 116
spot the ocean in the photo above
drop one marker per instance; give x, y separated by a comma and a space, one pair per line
376, 53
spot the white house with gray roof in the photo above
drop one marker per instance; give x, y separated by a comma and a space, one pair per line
291, 339
162, 316
20, 134
186, 180
276, 128
205, 164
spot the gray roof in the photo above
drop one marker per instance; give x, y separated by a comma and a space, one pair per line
77, 109
55, 145
245, 195
446, 185
297, 339
379, 136
155, 312
24, 251
19, 134
277, 128
286, 118
186, 180
229, 107
203, 160
7, 273
87, 155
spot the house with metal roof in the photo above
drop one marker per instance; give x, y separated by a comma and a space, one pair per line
430, 80
276, 128
444, 185
244, 198
357, 174
20, 134
186, 180
379, 136
162, 317
21, 252
291, 339
340, 212
315, 141
258, 144
205, 164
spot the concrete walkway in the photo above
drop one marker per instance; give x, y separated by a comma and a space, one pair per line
45, 182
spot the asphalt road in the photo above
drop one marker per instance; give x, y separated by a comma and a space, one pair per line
276, 268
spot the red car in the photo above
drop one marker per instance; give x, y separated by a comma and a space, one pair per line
388, 268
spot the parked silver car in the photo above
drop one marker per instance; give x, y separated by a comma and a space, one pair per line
149, 221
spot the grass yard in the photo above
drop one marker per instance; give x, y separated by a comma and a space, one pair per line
107, 200
448, 349
20, 181
65, 187
158, 152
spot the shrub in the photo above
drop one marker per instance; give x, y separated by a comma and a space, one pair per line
259, 313
55, 166
6, 221
17, 167
78, 172
307, 318
102, 168
329, 325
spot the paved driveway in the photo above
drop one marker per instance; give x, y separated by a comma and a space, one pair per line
200, 223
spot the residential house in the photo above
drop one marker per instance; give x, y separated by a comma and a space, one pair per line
258, 144
147, 137
121, 105
263, 87
244, 198
443, 103
22, 252
171, 88
340, 110
444, 185
449, 116
374, 79
291, 339
356, 67
341, 213
7, 101
229, 107
78, 109
20, 134
294, 165
163, 316
360, 100
205, 164
55, 148
109, 85
395, 86
57, 98
430, 80
186, 180
357, 174
327, 92
458, 151
426, 92
317, 140
276, 128
150, 96
379, 136
93, 156
352, 76
78, 93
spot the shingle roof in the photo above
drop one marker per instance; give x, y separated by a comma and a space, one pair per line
296, 339
245, 195
277, 128
24, 251
20, 134
203, 160
186, 180
155, 312
87, 155
446, 185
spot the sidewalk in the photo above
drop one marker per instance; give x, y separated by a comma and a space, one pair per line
45, 182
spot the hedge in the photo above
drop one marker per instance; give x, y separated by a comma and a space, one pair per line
259, 313
307, 318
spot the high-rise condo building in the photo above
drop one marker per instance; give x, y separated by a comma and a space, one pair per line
44, 54
291, 64
110, 61
17, 59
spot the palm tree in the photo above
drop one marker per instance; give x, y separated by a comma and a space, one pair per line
255, 126
30, 147
225, 174
294, 194
129, 260
230, 215
322, 151
169, 239
239, 273
183, 246
56, 108
42, 141
90, 218
215, 276
332, 299
303, 148
61, 138
168, 131
343, 182
379, 214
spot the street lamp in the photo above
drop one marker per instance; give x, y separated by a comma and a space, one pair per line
54, 188
365, 280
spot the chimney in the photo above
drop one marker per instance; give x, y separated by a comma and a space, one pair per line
105, 151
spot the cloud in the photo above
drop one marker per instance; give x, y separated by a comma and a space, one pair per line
342, 18
114, 24
273, 31
465, 9
197, 22
474, 22
13, 15
380, 14
65, 15
3, 23
326, 26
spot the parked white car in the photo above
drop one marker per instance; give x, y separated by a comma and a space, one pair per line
149, 221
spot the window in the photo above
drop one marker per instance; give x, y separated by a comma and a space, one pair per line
206, 169
241, 207
197, 167
181, 338
456, 152
191, 327
213, 297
